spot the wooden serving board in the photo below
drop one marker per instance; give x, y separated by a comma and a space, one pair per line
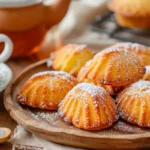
49, 126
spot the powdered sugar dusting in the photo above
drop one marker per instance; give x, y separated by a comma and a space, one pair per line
142, 85
61, 74
90, 88
147, 74
133, 46
88, 63
113, 49
75, 47
22, 99
138, 89
142, 52
42, 115
147, 69
118, 53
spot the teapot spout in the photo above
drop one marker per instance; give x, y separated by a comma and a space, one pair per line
55, 12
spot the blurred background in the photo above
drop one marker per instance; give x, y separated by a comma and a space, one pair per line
92, 23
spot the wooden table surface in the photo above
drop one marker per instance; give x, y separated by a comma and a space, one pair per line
5, 119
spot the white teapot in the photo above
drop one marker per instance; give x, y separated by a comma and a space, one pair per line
5, 71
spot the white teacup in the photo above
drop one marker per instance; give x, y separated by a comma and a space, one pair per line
5, 71
8, 49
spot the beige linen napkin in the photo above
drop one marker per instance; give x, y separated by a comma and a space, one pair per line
73, 29
27, 141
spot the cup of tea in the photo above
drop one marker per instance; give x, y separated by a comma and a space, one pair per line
27, 21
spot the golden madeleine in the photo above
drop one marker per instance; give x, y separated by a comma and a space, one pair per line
133, 22
88, 107
71, 58
142, 52
116, 67
45, 90
133, 103
147, 74
81, 78
136, 8
131, 13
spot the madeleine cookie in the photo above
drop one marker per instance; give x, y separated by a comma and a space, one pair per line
88, 107
81, 78
45, 90
131, 13
133, 103
71, 58
116, 67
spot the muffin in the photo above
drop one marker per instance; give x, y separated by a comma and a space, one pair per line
43, 89
88, 107
133, 103
71, 58
142, 52
116, 67
131, 13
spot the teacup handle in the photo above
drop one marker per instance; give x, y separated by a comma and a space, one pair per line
8, 48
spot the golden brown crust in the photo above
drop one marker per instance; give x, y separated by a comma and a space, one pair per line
133, 103
114, 66
71, 58
88, 107
142, 52
43, 89
81, 78
133, 22
128, 8
147, 74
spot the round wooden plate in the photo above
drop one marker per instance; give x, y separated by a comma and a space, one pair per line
49, 126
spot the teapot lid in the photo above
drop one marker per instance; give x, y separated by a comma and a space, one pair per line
5, 76
18, 3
